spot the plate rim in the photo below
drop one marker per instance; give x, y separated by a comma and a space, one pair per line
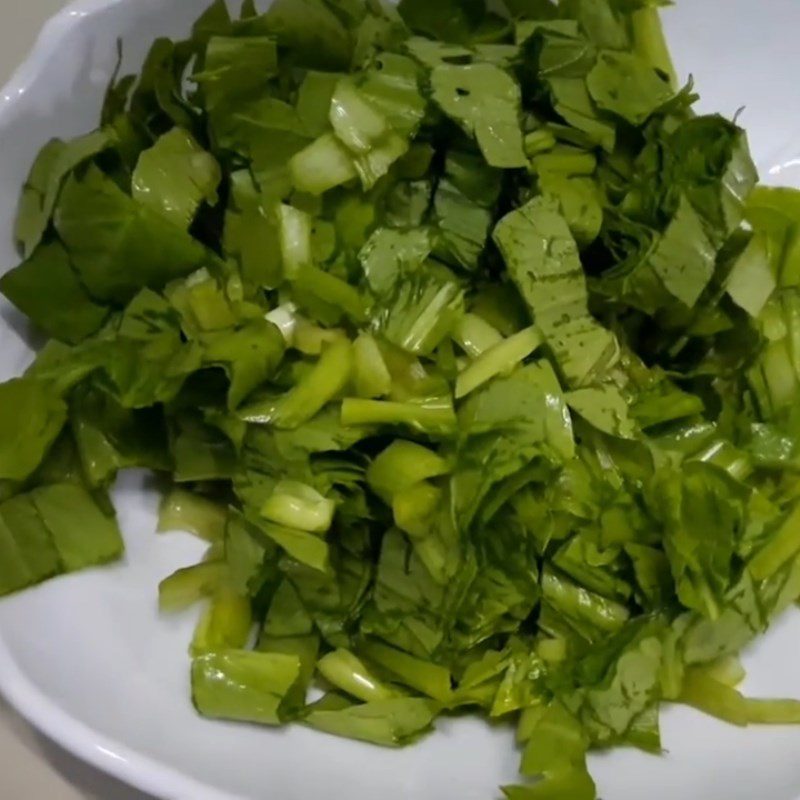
104, 753
44, 714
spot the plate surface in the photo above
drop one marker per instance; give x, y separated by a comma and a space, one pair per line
88, 660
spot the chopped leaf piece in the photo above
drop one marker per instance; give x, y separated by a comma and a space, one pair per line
322, 384
187, 586
390, 723
296, 505
497, 360
402, 465
433, 417
226, 623
47, 290
543, 262
119, 246
40, 195
485, 100
372, 378
83, 534
31, 417
175, 176
624, 84
244, 686
185, 511
322, 165
346, 672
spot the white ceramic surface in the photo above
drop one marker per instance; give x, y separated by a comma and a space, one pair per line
88, 660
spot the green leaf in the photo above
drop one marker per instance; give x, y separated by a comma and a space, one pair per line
504, 427
605, 408
200, 452
244, 686
82, 533
246, 553
392, 86
751, 281
485, 101
345, 671
249, 356
572, 101
311, 32
235, 68
31, 417
448, 20
702, 518
109, 437
307, 548
29, 554
581, 204
185, 511
175, 176
556, 751
684, 258
46, 289
157, 102
187, 586
463, 206
422, 311
543, 261
268, 132
627, 86
390, 723
314, 100
54, 163
148, 362
226, 622
117, 245
430, 679
389, 254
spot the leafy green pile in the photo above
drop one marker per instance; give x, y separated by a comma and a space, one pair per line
469, 347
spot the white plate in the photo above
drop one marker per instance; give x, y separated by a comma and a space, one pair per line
88, 660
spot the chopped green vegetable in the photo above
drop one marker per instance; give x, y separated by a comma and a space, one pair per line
500, 358
84, 535
485, 100
187, 586
47, 290
244, 686
226, 623
296, 505
185, 511
118, 245
346, 672
467, 344
391, 723
175, 176
33, 416
55, 162
544, 263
